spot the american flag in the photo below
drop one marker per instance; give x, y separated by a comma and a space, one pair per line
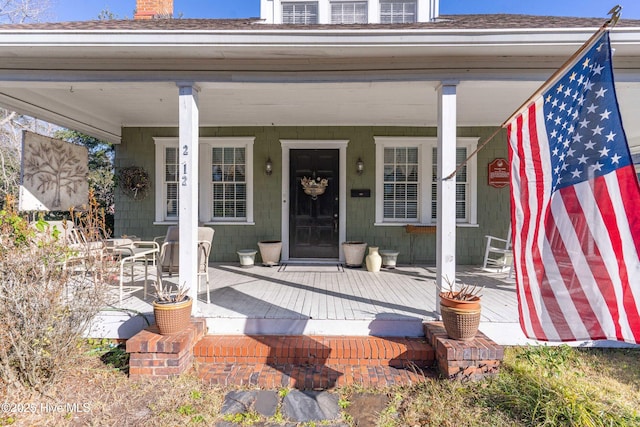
575, 208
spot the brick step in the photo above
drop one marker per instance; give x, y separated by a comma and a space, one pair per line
319, 351
310, 377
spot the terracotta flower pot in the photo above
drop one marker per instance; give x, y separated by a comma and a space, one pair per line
447, 300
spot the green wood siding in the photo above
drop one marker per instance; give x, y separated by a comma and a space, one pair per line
136, 217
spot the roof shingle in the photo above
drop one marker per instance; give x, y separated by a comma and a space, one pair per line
444, 22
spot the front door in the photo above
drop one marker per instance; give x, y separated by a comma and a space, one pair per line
313, 219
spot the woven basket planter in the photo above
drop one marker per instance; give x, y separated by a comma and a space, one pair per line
460, 324
172, 317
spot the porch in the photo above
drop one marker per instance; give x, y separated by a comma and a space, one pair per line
323, 300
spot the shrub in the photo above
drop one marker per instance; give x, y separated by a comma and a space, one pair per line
47, 302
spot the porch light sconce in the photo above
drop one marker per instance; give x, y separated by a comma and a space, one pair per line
268, 167
359, 166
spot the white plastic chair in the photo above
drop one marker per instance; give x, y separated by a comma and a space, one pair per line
499, 253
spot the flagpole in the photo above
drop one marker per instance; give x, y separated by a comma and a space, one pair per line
615, 15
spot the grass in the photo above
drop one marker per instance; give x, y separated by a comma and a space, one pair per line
537, 386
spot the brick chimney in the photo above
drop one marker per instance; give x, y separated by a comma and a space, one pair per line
153, 9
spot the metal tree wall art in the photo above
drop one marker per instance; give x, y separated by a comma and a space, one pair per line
54, 174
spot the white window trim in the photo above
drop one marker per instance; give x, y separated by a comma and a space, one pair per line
425, 149
205, 197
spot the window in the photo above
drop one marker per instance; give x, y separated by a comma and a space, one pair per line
404, 194
167, 177
300, 13
397, 11
400, 184
229, 182
349, 12
462, 185
225, 176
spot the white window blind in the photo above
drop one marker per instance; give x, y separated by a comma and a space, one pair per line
406, 180
300, 13
171, 178
225, 179
229, 183
397, 11
401, 185
462, 185
349, 12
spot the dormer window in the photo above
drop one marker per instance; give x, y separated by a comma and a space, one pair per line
349, 12
398, 11
300, 12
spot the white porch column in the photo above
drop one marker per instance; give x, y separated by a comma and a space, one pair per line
446, 211
188, 188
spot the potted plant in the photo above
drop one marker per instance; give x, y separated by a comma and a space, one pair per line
354, 253
270, 252
172, 310
461, 312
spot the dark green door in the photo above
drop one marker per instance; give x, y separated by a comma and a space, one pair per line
313, 220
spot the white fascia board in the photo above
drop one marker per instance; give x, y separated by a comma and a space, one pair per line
305, 38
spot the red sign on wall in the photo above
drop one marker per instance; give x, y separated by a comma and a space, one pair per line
499, 173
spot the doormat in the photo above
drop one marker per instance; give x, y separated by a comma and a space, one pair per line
311, 268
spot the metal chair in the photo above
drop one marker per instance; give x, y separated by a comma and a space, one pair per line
82, 247
205, 241
168, 261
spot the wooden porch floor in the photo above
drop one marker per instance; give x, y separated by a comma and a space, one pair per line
311, 299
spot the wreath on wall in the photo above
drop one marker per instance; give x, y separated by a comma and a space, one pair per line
134, 181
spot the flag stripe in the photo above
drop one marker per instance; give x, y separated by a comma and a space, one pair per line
522, 202
591, 280
629, 272
556, 274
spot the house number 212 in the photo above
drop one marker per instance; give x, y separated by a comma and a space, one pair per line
185, 152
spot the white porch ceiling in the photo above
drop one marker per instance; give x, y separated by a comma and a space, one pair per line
108, 107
